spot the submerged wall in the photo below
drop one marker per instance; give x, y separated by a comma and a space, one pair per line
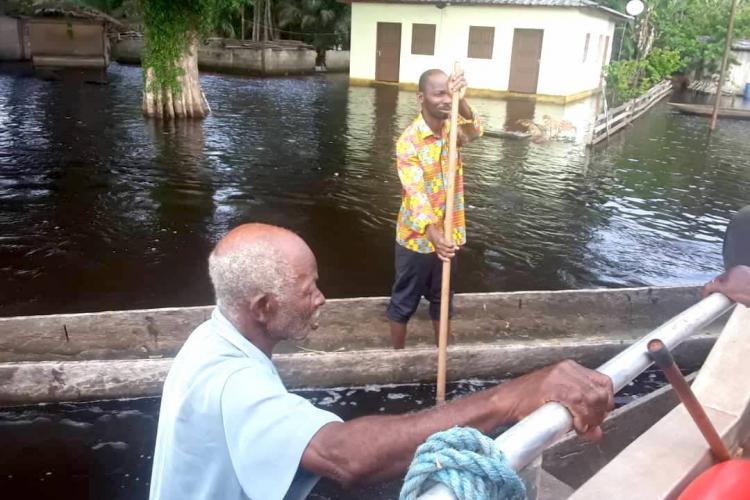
261, 59
337, 60
11, 48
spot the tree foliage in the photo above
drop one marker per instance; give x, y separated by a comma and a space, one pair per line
322, 23
696, 29
629, 78
671, 36
170, 26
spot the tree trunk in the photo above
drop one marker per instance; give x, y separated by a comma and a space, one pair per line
242, 23
256, 20
188, 103
268, 33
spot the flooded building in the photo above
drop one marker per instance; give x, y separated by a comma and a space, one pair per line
550, 49
57, 37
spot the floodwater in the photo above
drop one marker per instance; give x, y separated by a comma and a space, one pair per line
104, 449
101, 209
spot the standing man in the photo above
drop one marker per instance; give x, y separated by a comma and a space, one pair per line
422, 162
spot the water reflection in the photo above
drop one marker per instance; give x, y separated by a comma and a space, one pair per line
102, 209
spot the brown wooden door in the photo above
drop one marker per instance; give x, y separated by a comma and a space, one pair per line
524, 60
388, 52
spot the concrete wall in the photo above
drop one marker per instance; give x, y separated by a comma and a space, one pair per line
337, 60
11, 48
562, 69
127, 50
284, 61
254, 61
63, 38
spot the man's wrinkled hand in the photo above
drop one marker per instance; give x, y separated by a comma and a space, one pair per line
587, 394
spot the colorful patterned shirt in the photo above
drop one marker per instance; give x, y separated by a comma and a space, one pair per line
422, 162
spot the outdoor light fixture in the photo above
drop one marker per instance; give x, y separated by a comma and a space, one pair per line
634, 7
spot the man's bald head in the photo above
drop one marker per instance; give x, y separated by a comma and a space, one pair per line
426, 78
254, 259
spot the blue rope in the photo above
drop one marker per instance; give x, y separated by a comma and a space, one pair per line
467, 462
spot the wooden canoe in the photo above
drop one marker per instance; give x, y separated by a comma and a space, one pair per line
119, 354
707, 110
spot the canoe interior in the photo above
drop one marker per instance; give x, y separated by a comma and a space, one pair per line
359, 324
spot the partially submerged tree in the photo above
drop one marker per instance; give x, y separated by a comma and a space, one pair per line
170, 57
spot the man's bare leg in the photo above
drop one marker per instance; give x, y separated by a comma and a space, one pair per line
436, 327
398, 334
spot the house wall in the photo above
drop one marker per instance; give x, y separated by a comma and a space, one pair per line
739, 74
52, 37
11, 48
562, 70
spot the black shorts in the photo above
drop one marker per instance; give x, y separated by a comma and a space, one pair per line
417, 275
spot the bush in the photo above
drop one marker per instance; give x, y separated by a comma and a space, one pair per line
629, 79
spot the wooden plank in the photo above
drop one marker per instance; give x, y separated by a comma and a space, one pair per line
353, 324
631, 110
47, 381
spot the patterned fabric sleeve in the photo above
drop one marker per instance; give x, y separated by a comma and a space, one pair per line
416, 202
471, 128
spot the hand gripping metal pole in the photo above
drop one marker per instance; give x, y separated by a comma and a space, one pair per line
526, 440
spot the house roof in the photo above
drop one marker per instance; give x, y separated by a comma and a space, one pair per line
586, 4
741, 45
73, 10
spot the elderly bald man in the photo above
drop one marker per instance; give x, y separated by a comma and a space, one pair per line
228, 429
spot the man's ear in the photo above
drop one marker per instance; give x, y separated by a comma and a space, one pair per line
264, 308
420, 97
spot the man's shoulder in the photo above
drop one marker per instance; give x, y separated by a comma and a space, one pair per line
411, 134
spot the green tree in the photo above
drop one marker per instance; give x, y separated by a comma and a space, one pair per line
696, 29
170, 57
323, 23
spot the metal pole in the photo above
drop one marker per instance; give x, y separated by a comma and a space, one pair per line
526, 440
727, 48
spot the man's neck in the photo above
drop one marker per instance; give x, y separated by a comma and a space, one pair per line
253, 333
435, 124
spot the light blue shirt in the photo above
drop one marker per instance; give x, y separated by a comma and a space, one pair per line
228, 428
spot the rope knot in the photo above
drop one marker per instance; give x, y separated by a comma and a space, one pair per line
467, 462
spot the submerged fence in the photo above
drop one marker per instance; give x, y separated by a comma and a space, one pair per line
616, 119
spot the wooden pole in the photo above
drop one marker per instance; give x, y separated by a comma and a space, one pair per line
450, 193
727, 48
663, 359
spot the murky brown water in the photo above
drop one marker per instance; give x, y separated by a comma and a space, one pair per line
101, 209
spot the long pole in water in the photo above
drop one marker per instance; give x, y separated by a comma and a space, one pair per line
450, 194
727, 47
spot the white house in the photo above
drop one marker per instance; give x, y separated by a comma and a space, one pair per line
739, 73
552, 50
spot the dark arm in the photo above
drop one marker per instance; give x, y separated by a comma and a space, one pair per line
734, 283
377, 448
